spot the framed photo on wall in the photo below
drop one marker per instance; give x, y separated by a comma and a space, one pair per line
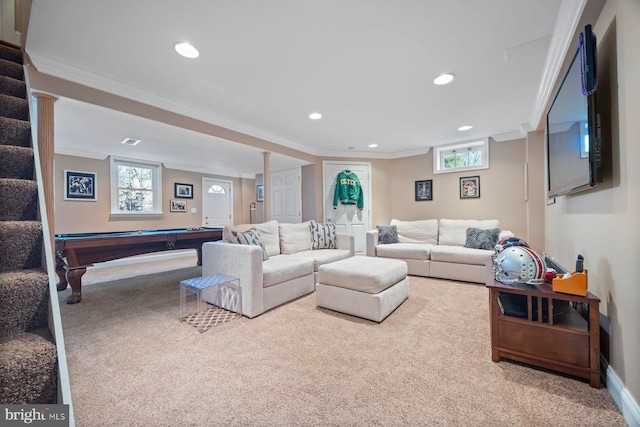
178, 206
470, 187
424, 190
260, 193
183, 191
80, 186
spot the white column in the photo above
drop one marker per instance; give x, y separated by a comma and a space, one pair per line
266, 205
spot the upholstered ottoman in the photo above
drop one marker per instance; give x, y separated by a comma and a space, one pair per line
362, 286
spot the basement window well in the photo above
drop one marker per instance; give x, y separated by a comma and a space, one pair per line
472, 155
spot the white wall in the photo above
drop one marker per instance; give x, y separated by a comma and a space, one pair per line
604, 224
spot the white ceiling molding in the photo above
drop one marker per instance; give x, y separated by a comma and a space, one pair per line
566, 24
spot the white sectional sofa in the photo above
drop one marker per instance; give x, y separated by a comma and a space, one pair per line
291, 267
436, 248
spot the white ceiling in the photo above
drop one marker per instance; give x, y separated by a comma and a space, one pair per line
264, 65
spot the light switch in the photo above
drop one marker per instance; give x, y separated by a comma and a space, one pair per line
194, 210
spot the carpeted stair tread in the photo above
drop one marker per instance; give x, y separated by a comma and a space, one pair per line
16, 162
13, 87
10, 53
21, 245
28, 368
14, 108
11, 69
15, 132
20, 199
24, 299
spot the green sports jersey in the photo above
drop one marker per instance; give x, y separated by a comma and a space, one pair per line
348, 190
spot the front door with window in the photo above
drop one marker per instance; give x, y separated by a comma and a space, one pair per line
217, 206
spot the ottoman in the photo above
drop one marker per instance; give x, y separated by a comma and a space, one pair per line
362, 286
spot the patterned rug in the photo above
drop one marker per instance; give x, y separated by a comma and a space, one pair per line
213, 316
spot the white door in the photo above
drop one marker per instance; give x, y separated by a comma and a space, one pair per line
286, 190
217, 206
348, 218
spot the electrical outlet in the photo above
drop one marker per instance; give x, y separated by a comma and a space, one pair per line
194, 210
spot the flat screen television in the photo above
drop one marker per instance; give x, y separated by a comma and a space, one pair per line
573, 125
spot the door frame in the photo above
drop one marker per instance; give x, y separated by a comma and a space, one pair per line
204, 189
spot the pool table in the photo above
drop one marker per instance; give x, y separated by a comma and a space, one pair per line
76, 252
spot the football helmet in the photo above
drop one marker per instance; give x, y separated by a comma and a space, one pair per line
519, 264
508, 242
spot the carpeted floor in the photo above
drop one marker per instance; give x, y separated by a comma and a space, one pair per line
132, 363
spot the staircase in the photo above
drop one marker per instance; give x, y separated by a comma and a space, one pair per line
28, 354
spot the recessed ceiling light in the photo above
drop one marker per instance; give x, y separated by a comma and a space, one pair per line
130, 141
186, 49
443, 79
315, 116
373, 145
466, 127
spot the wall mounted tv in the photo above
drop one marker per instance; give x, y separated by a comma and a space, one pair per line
573, 125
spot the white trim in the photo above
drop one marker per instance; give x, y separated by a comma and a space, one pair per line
438, 166
622, 397
113, 186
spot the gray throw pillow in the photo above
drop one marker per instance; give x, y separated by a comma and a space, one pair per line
478, 238
387, 235
250, 237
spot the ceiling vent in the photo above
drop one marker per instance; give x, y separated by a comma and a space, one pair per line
131, 141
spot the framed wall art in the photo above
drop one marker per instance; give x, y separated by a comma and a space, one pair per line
178, 206
470, 187
424, 190
80, 186
183, 191
259, 193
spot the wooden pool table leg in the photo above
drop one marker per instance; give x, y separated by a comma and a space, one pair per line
74, 277
61, 272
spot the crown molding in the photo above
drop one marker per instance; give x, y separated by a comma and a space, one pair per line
563, 33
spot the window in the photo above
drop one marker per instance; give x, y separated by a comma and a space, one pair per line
461, 157
217, 189
136, 187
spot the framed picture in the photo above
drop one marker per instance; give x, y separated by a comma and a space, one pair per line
80, 186
178, 205
260, 193
424, 190
470, 187
183, 191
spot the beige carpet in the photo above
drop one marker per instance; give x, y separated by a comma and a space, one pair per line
132, 363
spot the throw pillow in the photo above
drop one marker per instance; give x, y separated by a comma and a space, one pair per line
250, 237
478, 238
323, 236
387, 235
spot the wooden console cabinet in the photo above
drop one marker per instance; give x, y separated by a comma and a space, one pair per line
568, 342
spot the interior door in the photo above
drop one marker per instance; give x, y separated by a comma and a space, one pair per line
286, 203
348, 218
217, 206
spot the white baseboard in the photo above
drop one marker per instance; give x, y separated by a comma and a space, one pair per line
621, 396
158, 256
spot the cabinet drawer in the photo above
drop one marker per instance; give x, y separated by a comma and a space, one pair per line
551, 343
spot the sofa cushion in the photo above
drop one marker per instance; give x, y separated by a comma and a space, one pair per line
323, 236
281, 268
323, 257
419, 251
250, 237
419, 231
460, 255
295, 237
453, 232
478, 238
268, 233
387, 235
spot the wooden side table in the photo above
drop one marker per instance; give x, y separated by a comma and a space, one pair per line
534, 331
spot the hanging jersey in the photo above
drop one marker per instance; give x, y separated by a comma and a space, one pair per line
348, 190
